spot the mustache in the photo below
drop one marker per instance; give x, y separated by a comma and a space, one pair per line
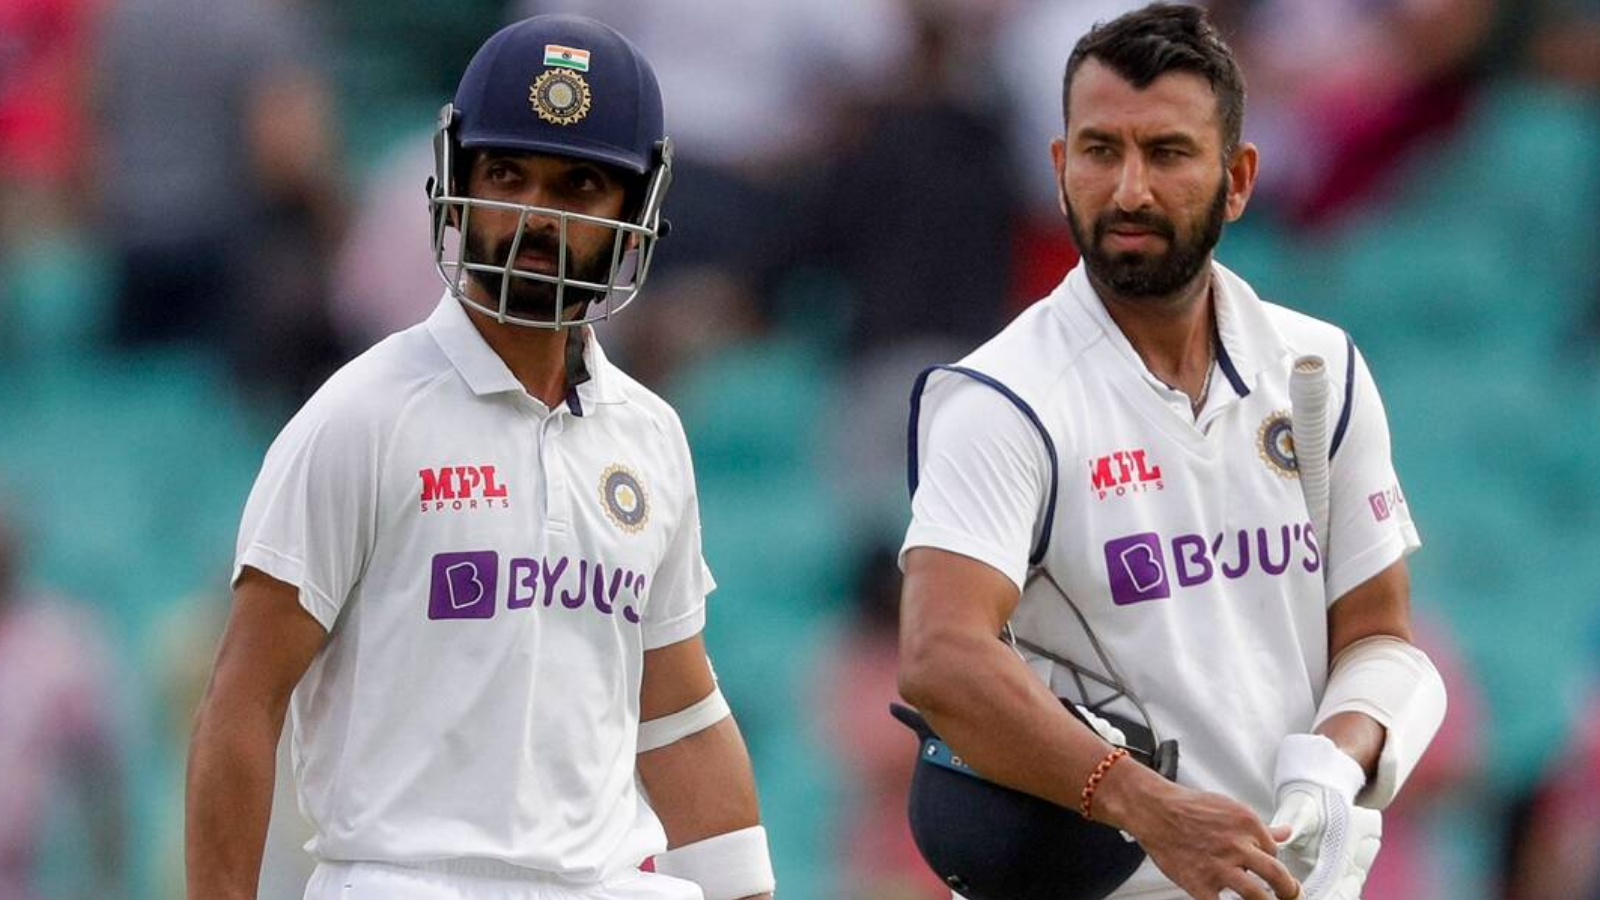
542, 242
1145, 219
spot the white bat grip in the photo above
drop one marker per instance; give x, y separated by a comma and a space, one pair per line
1308, 416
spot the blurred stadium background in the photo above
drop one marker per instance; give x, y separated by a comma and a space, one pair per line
206, 205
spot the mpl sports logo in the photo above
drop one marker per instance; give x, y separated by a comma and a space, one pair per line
456, 488
1137, 564
467, 585
1122, 473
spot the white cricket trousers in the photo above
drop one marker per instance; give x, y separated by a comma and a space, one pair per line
474, 880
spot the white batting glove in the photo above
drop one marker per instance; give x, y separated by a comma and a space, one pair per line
1332, 842
1108, 732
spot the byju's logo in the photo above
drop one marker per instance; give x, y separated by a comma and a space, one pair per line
464, 585
1123, 472
462, 487
1138, 569
1137, 566
1386, 503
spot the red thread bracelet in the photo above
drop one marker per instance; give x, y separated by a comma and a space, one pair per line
1100, 770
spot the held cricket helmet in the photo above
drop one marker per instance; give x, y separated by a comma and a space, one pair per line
989, 842
568, 86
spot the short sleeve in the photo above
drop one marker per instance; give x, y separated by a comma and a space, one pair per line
983, 476
311, 516
677, 607
1371, 526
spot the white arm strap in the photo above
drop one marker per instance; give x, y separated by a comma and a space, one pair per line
1397, 685
674, 727
727, 867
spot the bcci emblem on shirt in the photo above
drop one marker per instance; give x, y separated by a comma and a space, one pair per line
1275, 443
624, 498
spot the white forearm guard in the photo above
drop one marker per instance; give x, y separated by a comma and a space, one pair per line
727, 866
1397, 685
674, 727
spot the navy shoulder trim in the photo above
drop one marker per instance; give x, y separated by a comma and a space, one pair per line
1037, 556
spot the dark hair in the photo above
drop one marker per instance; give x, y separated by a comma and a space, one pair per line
1143, 45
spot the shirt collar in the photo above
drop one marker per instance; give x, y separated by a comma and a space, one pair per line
601, 386
486, 373
1249, 341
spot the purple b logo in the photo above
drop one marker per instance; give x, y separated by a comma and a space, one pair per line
1138, 569
463, 585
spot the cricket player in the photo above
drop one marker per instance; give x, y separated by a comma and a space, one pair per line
1111, 486
470, 570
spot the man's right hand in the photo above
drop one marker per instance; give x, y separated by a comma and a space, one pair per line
1206, 843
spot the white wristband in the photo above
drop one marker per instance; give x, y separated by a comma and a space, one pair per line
1315, 758
727, 867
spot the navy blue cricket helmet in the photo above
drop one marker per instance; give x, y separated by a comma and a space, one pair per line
569, 86
989, 842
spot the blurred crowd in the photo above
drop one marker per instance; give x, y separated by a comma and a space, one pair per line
208, 205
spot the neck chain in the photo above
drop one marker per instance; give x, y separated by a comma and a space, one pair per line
1199, 401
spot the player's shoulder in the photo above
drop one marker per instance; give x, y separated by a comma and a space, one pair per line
1009, 385
371, 391
1306, 334
1032, 353
1278, 332
644, 406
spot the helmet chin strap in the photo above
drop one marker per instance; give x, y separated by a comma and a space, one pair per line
1159, 755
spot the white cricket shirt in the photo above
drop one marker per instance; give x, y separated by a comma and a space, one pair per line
1185, 544
491, 572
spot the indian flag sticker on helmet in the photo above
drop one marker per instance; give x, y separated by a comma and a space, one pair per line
566, 57
560, 96
624, 498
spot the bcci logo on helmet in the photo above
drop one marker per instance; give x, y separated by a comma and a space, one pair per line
560, 97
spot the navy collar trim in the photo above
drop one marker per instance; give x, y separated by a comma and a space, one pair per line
1228, 369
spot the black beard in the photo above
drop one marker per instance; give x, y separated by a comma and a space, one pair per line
536, 300
1141, 276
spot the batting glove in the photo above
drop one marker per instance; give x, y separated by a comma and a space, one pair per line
1108, 732
1332, 842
